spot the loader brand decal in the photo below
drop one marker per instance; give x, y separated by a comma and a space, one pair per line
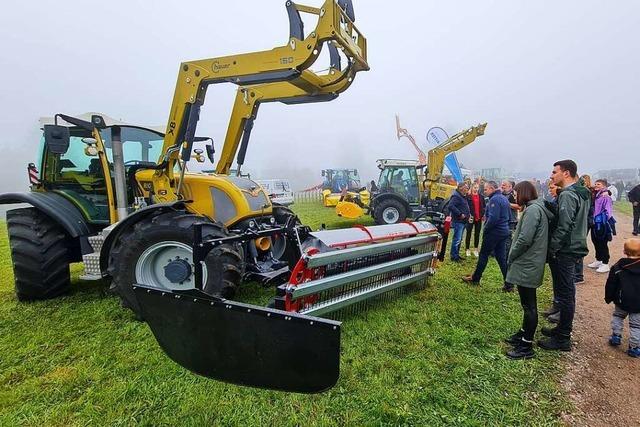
286, 60
172, 127
218, 66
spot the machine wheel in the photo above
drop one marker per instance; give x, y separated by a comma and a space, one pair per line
283, 249
39, 250
158, 253
389, 211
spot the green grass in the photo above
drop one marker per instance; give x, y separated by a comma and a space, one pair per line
431, 358
624, 207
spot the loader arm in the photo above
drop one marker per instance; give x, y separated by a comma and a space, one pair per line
400, 132
458, 141
249, 98
289, 63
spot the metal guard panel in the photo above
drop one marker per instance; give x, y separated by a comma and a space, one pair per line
243, 344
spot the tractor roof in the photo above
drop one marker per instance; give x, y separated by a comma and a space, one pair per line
109, 121
383, 163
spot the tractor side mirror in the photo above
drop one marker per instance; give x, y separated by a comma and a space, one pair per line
56, 138
91, 149
210, 152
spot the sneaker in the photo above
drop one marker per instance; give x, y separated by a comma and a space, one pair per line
469, 280
476, 253
615, 340
594, 264
522, 350
549, 332
635, 233
515, 338
468, 253
554, 318
557, 342
634, 352
604, 268
551, 310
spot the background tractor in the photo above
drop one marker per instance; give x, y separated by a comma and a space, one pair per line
338, 183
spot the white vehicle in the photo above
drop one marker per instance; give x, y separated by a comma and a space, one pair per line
279, 190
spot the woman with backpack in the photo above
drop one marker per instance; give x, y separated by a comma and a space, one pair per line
601, 230
526, 264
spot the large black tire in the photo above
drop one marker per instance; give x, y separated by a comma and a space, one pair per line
40, 254
224, 264
389, 211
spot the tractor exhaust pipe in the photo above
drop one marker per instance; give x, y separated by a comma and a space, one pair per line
119, 173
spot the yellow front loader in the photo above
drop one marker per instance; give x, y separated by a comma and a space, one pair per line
176, 245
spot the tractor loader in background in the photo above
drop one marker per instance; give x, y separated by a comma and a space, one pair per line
176, 244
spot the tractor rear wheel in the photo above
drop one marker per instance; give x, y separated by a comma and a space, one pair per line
389, 211
40, 254
158, 253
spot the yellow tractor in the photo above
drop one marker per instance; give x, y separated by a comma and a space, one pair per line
176, 244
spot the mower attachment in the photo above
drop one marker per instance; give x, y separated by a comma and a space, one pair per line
243, 344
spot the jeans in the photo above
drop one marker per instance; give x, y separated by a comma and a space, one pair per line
529, 304
474, 227
458, 230
617, 325
563, 270
636, 219
491, 244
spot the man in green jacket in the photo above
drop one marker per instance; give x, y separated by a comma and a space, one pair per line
567, 244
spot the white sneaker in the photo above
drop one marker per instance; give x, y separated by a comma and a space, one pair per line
595, 264
476, 254
468, 253
604, 268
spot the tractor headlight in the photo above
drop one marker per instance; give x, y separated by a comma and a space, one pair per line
252, 224
272, 220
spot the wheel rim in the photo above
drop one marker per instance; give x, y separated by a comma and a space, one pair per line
150, 267
391, 215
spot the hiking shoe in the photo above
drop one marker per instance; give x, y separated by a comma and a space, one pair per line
634, 352
604, 268
551, 310
556, 342
594, 264
522, 350
508, 287
515, 338
554, 318
615, 340
549, 332
469, 280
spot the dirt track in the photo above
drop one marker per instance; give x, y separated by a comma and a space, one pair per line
603, 381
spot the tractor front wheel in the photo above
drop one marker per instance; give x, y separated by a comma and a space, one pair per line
389, 211
158, 253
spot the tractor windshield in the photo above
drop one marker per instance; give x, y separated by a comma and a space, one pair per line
401, 180
138, 144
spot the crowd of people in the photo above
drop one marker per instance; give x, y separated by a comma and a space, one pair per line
525, 227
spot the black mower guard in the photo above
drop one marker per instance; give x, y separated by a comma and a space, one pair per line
243, 344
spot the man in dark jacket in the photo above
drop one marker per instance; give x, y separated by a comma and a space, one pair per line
567, 244
623, 289
496, 232
634, 198
459, 210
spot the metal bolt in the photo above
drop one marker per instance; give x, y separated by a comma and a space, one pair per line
188, 79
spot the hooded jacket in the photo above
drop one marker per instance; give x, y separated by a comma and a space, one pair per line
529, 246
623, 285
569, 237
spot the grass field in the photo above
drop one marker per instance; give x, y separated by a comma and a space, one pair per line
431, 358
624, 207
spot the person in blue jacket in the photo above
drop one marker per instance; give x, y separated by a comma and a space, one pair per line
495, 233
459, 210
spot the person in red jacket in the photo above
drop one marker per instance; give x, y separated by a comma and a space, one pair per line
476, 207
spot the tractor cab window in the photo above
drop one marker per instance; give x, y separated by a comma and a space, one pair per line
138, 145
78, 177
401, 180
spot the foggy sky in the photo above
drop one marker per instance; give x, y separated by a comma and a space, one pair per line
553, 79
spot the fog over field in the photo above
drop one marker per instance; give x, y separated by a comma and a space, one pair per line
553, 79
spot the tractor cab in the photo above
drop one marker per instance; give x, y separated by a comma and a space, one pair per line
81, 170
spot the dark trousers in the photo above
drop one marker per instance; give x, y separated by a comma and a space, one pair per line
563, 270
474, 227
529, 304
491, 244
602, 248
636, 219
580, 270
